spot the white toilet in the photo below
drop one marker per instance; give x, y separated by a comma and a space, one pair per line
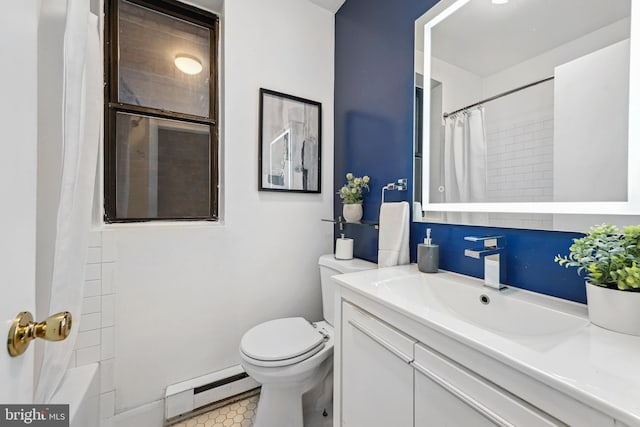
291, 356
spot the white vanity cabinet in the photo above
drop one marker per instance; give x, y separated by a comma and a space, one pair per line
377, 379
413, 350
385, 377
389, 379
447, 395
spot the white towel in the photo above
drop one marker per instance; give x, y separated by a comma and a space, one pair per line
393, 240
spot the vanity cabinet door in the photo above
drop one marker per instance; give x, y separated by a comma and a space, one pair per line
377, 378
447, 395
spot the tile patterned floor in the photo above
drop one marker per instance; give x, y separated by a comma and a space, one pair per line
238, 414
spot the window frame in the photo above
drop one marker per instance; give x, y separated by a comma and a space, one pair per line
112, 106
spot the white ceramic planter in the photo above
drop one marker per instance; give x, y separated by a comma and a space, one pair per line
352, 212
618, 311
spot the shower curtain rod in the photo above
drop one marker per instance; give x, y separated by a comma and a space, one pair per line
500, 95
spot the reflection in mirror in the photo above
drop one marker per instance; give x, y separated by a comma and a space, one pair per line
525, 101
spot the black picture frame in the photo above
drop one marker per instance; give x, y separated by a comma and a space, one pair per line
290, 143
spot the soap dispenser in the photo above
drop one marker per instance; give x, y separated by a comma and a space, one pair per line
428, 255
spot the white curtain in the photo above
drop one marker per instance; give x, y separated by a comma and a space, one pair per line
82, 127
465, 162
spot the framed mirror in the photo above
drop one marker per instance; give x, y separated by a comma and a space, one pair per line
524, 113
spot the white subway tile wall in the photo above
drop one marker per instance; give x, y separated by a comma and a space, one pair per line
89, 322
91, 305
96, 334
520, 160
108, 343
108, 310
92, 288
520, 165
107, 377
107, 404
88, 339
85, 356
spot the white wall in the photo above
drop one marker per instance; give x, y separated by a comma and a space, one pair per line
543, 65
187, 292
591, 126
459, 87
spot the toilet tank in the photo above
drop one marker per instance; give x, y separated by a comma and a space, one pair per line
330, 266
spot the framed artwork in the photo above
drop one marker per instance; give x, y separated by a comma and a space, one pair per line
290, 143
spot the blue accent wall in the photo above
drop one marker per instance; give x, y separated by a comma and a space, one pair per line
374, 136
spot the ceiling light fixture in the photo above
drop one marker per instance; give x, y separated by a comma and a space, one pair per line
188, 64
499, 1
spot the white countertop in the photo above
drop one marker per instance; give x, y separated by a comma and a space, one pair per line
593, 365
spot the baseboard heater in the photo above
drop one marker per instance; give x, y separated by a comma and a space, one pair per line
187, 396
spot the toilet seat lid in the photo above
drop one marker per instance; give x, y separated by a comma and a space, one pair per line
281, 339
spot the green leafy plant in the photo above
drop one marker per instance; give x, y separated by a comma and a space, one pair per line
352, 191
607, 256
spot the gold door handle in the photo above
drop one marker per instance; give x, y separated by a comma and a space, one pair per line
23, 330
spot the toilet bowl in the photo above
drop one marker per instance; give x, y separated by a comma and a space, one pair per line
290, 356
287, 375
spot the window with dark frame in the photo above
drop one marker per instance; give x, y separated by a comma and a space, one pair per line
161, 109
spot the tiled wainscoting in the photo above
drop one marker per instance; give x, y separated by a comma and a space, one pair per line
96, 336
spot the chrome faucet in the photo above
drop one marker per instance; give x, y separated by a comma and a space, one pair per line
494, 270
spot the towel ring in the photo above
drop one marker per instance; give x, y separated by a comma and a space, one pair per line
401, 185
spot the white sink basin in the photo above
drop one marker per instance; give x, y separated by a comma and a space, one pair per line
512, 312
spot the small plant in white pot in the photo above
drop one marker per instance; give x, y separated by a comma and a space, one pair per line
610, 260
351, 194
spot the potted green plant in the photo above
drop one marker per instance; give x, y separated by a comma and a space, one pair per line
351, 194
609, 259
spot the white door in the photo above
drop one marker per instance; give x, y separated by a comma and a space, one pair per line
18, 170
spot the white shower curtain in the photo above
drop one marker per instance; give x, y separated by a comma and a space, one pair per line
82, 127
465, 157
465, 162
